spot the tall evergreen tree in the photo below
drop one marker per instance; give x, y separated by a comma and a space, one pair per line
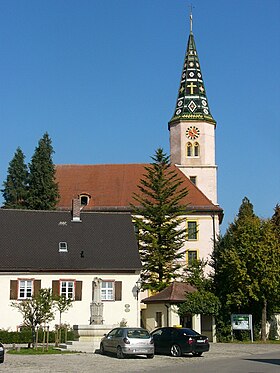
247, 267
158, 217
15, 186
43, 190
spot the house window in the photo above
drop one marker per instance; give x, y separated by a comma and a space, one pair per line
196, 149
193, 179
192, 230
107, 290
192, 256
189, 149
25, 289
67, 289
158, 319
63, 247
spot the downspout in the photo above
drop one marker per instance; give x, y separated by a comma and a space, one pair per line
214, 230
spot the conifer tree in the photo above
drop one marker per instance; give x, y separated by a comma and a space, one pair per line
43, 190
158, 217
15, 186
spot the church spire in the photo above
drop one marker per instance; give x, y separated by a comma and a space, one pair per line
192, 103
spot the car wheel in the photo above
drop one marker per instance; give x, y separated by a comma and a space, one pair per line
150, 356
120, 354
102, 350
197, 353
175, 351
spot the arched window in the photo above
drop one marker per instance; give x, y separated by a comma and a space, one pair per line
189, 149
196, 149
84, 199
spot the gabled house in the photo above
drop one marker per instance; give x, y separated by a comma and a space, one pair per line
90, 257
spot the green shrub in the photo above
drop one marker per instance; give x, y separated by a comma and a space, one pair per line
25, 336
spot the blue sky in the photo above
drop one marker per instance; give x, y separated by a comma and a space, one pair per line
101, 77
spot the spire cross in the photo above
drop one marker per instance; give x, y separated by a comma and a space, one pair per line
191, 86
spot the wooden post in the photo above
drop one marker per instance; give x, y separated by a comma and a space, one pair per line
44, 336
36, 338
56, 336
48, 336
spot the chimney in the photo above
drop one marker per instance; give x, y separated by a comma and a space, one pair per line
76, 209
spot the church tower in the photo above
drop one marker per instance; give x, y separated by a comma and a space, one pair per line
192, 127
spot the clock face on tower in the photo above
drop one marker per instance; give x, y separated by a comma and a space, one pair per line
192, 133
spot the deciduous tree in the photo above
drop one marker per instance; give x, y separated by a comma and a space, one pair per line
246, 261
36, 311
62, 304
203, 301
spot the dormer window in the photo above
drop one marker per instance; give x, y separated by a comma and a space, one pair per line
63, 247
84, 199
193, 179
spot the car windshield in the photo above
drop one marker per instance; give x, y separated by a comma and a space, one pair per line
138, 333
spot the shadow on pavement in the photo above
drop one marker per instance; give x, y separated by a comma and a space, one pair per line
267, 361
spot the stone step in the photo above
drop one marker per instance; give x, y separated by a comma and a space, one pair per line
88, 347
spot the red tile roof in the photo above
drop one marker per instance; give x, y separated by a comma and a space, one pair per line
111, 186
174, 293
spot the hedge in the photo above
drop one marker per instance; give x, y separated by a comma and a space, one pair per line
25, 336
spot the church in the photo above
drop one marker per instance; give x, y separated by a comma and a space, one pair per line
110, 187
87, 249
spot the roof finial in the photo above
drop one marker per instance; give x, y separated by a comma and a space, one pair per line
191, 20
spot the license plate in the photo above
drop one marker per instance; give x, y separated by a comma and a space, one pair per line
200, 341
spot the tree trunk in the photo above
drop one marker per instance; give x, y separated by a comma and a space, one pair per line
263, 330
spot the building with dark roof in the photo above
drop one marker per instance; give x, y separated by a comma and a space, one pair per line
72, 254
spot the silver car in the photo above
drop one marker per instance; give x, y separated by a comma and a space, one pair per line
128, 341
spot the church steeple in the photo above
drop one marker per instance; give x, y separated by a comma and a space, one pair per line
192, 104
192, 127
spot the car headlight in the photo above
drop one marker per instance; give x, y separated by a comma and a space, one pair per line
1, 348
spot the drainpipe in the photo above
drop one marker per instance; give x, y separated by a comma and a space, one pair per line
214, 230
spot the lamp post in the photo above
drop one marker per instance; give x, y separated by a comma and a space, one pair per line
138, 288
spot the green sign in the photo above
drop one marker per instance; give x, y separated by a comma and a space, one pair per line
240, 322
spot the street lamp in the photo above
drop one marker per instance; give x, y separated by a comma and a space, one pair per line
138, 287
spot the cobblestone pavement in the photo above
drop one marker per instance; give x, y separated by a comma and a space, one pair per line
90, 362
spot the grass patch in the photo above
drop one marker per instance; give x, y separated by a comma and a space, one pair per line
32, 351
